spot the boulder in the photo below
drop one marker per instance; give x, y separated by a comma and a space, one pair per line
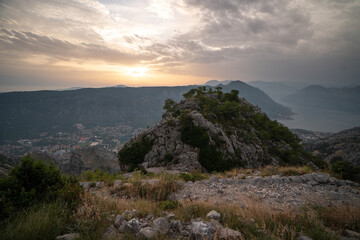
213, 215
147, 233
161, 225
118, 221
303, 237
132, 225
321, 177
202, 230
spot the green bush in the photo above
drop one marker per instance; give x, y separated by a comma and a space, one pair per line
35, 182
133, 155
190, 134
346, 170
169, 104
168, 205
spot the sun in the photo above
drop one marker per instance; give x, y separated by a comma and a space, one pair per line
136, 71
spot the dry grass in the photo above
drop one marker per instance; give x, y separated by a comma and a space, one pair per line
285, 171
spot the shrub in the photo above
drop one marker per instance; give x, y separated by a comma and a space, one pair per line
35, 182
346, 170
168, 205
169, 104
190, 134
133, 155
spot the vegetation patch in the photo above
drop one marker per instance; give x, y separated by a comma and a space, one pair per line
132, 156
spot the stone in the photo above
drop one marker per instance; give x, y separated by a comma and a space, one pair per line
69, 236
202, 230
170, 217
118, 221
227, 233
132, 225
312, 183
303, 237
110, 233
85, 185
213, 215
352, 234
176, 225
296, 179
147, 233
309, 177
161, 225
117, 183
321, 177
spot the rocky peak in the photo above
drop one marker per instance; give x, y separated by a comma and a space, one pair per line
212, 130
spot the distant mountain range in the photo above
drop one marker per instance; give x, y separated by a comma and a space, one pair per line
277, 90
214, 83
345, 99
26, 114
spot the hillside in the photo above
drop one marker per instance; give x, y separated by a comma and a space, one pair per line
344, 145
318, 97
214, 131
27, 114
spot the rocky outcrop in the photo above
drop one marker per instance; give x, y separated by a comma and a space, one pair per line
238, 133
91, 158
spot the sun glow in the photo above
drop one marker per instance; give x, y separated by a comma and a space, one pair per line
137, 71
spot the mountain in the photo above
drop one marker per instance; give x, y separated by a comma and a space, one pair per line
344, 145
27, 114
319, 97
215, 131
214, 83
275, 90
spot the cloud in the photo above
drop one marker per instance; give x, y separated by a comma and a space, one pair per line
263, 39
23, 43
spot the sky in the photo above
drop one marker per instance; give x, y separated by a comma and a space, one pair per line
56, 44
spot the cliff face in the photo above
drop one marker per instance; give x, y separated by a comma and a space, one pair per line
214, 131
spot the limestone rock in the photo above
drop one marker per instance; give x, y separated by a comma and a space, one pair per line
118, 221
147, 233
69, 236
132, 225
202, 230
213, 215
161, 225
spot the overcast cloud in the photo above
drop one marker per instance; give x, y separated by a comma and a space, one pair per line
315, 41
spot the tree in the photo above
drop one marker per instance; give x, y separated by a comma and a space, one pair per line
169, 104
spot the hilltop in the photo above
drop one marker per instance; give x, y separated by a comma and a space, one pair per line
215, 131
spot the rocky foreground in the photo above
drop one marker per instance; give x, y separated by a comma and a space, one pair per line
275, 191
287, 193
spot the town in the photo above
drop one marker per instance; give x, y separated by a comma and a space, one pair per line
62, 143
